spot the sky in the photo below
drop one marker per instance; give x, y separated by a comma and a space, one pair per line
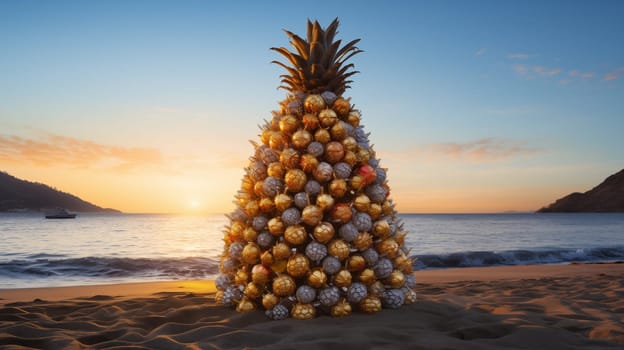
149, 106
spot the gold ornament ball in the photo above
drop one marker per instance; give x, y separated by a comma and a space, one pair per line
288, 124
303, 311
241, 277
252, 291
295, 180
298, 265
309, 163
275, 169
339, 249
327, 117
343, 278
403, 263
260, 274
354, 118
342, 106
295, 234
314, 103
289, 158
362, 241
367, 276
249, 234
237, 228
356, 263
324, 232
311, 215
350, 158
375, 211
370, 304
341, 213
388, 247
276, 226
341, 309
252, 208
317, 278
381, 228
266, 205
251, 254
258, 190
334, 152
281, 251
269, 300
363, 156
396, 279
283, 202
338, 132
325, 201
338, 188
350, 144
362, 203
266, 258
245, 305
357, 182
310, 121
276, 140
284, 286
322, 135
301, 139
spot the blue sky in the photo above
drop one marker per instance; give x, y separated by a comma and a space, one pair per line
505, 104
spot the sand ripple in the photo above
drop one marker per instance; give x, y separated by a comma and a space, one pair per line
579, 312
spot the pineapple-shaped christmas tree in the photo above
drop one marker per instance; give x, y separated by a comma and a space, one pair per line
314, 230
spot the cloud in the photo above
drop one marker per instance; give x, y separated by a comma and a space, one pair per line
535, 71
53, 150
482, 150
576, 73
520, 69
481, 52
615, 74
518, 56
543, 71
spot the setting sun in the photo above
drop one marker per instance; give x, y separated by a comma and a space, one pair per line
195, 204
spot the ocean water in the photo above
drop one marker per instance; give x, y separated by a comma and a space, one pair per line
112, 248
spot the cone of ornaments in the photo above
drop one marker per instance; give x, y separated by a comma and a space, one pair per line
314, 230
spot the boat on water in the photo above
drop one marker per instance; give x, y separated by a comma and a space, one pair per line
59, 213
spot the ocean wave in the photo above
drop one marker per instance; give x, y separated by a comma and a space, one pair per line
109, 267
44, 267
518, 257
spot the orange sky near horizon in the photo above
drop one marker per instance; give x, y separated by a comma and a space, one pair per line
147, 181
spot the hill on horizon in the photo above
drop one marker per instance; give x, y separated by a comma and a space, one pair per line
604, 198
18, 194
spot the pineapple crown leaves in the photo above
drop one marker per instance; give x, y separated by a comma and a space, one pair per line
318, 62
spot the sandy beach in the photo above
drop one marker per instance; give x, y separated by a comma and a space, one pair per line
577, 306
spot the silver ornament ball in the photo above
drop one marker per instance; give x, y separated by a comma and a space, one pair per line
305, 294
356, 292
331, 265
